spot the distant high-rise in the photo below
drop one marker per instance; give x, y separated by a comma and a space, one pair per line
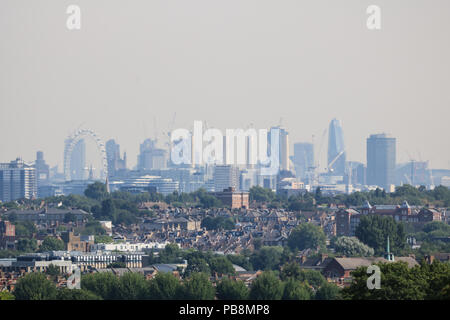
336, 148
226, 176
151, 157
303, 158
381, 160
78, 161
115, 162
283, 147
42, 169
17, 181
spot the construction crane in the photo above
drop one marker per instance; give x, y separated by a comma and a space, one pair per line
330, 165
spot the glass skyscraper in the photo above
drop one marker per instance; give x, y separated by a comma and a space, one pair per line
381, 160
336, 148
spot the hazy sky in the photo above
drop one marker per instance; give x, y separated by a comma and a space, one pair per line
227, 62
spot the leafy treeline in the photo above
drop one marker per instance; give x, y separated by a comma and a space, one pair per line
398, 282
306, 201
292, 284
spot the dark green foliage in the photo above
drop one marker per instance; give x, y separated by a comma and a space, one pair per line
51, 244
306, 236
75, 294
133, 286
296, 290
197, 287
164, 286
229, 289
27, 245
221, 265
267, 258
35, 286
328, 291
215, 223
267, 287
104, 285
96, 190
373, 230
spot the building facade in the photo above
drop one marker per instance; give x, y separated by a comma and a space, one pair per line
381, 160
17, 181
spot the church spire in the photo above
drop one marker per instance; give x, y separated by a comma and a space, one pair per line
389, 256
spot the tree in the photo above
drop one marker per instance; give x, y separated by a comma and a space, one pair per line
75, 294
27, 245
267, 258
352, 247
221, 265
328, 291
164, 286
229, 289
198, 287
260, 194
296, 290
398, 282
104, 285
133, 286
266, 287
96, 190
373, 230
5, 295
103, 239
35, 286
196, 264
306, 236
108, 209
52, 271
52, 244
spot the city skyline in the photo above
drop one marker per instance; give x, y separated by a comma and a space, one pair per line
321, 63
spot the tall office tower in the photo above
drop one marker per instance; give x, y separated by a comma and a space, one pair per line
336, 148
151, 157
17, 181
78, 161
381, 160
283, 147
226, 176
303, 159
42, 169
115, 162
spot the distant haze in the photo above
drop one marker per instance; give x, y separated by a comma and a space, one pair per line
229, 63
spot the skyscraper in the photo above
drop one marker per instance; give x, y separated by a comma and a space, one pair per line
42, 169
17, 181
336, 148
78, 161
226, 176
381, 160
303, 158
283, 147
115, 162
151, 157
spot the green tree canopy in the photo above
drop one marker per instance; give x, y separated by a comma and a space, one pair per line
164, 286
373, 230
229, 289
96, 190
306, 236
296, 290
352, 247
198, 287
35, 286
267, 286
52, 244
